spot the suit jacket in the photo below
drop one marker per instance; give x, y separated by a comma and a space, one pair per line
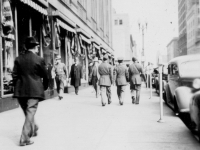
76, 74
121, 75
106, 75
135, 70
94, 72
27, 73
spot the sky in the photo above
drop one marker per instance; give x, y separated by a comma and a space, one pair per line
162, 23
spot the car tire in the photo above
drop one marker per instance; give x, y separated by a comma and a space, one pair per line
176, 109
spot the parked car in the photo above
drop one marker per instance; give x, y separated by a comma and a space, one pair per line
181, 73
195, 106
164, 79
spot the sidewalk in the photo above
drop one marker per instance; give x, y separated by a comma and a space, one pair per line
79, 122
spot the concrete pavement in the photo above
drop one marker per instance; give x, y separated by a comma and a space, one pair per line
79, 122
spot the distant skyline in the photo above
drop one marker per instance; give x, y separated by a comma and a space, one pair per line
162, 19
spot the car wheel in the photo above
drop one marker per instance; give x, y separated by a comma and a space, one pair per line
176, 109
164, 96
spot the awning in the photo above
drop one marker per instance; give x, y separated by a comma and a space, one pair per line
35, 6
85, 39
63, 18
94, 41
96, 46
45, 3
81, 31
65, 26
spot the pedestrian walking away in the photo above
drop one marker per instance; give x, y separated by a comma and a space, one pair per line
28, 70
94, 76
135, 74
60, 73
76, 75
121, 77
106, 80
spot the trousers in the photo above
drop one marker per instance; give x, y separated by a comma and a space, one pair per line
60, 79
121, 92
105, 91
29, 107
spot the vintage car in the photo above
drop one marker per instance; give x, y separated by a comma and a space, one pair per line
195, 106
164, 79
181, 73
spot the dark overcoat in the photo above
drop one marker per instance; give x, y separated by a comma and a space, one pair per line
135, 70
121, 75
28, 72
106, 74
76, 74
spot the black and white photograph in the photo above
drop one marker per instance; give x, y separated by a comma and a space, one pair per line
100, 74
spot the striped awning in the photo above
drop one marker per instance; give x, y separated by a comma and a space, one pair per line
35, 6
85, 39
65, 26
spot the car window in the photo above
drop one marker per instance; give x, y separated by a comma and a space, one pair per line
174, 69
190, 69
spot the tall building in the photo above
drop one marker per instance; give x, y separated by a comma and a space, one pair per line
192, 28
121, 36
70, 28
182, 41
172, 49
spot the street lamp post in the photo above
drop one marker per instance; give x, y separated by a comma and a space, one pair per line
142, 27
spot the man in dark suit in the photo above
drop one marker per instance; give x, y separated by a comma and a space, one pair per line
94, 76
76, 75
121, 76
28, 70
135, 74
106, 79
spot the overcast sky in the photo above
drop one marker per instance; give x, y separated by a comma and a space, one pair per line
162, 19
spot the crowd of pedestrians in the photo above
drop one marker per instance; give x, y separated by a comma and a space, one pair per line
30, 78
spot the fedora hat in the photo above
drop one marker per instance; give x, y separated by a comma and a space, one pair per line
58, 57
105, 56
31, 42
95, 59
120, 58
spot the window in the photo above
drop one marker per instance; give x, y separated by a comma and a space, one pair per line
120, 22
116, 22
174, 69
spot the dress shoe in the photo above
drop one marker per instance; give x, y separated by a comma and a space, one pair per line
109, 102
35, 133
121, 103
60, 97
26, 143
137, 103
133, 99
104, 104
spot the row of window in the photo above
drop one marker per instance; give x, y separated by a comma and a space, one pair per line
118, 22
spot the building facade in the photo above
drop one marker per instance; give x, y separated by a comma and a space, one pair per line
192, 28
182, 41
172, 49
70, 28
121, 37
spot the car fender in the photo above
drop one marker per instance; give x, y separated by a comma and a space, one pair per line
183, 96
194, 108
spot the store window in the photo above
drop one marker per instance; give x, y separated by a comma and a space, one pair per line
120, 22
8, 48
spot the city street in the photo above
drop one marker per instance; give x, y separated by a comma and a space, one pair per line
79, 122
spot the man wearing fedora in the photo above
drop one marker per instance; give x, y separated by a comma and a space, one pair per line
28, 72
135, 74
76, 74
94, 76
121, 77
61, 75
106, 80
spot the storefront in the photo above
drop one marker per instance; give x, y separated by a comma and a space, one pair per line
17, 24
